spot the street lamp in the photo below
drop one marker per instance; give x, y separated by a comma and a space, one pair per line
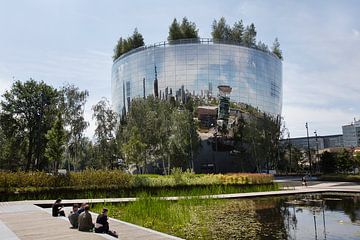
289, 145
317, 148
308, 143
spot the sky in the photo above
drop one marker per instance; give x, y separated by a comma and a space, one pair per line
72, 41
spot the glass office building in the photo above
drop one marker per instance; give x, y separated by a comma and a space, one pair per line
197, 69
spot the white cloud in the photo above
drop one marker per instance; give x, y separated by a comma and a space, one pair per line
356, 33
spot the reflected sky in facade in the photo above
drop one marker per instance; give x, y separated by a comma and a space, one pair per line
197, 68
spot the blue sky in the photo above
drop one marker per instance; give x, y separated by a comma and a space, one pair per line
71, 41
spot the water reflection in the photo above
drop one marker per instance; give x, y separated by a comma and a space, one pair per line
309, 217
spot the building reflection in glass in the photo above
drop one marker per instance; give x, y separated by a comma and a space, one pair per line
197, 69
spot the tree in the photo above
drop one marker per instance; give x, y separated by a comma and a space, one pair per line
262, 46
175, 31
328, 162
188, 29
184, 139
13, 144
29, 108
237, 32
276, 49
105, 132
125, 45
56, 143
345, 162
72, 106
118, 50
249, 38
185, 30
137, 39
257, 137
134, 150
220, 30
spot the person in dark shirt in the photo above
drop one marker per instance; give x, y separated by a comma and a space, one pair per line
74, 216
85, 223
57, 209
82, 208
102, 225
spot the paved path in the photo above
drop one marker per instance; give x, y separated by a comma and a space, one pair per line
25, 220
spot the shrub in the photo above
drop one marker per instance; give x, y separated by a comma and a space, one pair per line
118, 179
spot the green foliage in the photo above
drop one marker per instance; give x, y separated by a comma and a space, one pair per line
160, 134
192, 218
56, 141
262, 46
106, 148
340, 177
337, 162
328, 162
221, 31
237, 32
345, 162
72, 107
257, 137
185, 30
125, 45
27, 110
249, 39
103, 179
276, 49
134, 149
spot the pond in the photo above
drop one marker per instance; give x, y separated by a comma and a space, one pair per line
310, 217
316, 216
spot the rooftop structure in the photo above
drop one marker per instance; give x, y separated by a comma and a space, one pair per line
195, 68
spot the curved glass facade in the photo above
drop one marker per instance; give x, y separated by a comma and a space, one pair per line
197, 69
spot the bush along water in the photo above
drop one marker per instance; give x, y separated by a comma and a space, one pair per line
116, 183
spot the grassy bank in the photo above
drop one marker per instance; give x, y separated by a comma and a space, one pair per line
115, 183
192, 218
340, 177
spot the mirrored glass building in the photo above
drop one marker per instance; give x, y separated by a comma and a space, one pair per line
196, 69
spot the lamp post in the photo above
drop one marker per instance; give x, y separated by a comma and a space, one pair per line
309, 153
317, 148
289, 145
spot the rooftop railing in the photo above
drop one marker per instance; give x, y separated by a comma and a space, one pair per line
190, 41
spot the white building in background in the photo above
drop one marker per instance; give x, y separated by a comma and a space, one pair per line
351, 134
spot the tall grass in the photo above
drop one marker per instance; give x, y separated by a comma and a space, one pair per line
163, 216
100, 178
115, 183
190, 218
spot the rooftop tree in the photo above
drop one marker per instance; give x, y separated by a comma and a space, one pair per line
276, 49
175, 31
221, 30
237, 32
249, 38
125, 45
185, 30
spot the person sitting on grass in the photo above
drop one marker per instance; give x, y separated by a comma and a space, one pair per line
73, 216
57, 209
102, 225
85, 223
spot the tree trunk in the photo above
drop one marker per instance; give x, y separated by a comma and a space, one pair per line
29, 153
164, 167
168, 157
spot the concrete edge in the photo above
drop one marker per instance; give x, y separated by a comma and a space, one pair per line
146, 229
6, 232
